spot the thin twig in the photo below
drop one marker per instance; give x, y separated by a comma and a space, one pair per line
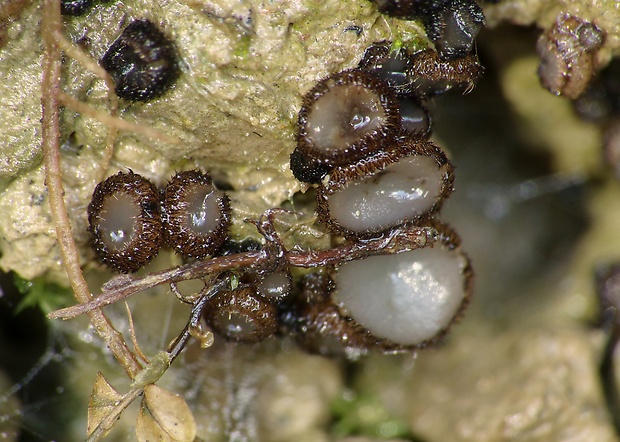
189, 271
115, 122
50, 84
84, 59
74, 51
399, 240
175, 348
134, 339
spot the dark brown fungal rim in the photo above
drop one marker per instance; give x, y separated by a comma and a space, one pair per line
431, 76
321, 327
175, 214
367, 167
240, 315
375, 54
143, 62
148, 226
368, 143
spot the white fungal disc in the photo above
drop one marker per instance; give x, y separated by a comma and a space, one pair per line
125, 222
345, 116
119, 219
196, 215
409, 298
386, 190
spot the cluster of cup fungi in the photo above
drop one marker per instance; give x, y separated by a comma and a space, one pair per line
396, 277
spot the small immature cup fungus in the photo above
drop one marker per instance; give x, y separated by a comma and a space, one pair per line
143, 62
195, 214
386, 190
410, 298
567, 55
275, 285
345, 117
239, 315
307, 170
125, 221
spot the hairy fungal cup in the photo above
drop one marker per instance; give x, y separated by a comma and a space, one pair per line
567, 53
241, 315
396, 302
386, 190
196, 215
408, 298
346, 116
452, 25
125, 222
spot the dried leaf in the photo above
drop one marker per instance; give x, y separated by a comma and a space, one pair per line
164, 416
102, 402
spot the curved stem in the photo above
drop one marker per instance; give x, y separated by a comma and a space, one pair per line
51, 24
397, 241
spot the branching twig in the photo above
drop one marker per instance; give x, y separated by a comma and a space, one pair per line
50, 26
399, 240
174, 350
115, 122
87, 62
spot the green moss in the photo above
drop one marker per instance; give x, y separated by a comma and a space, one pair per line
243, 46
41, 294
365, 415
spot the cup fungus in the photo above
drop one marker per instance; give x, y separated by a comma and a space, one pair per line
389, 65
453, 27
431, 76
396, 302
361, 138
306, 169
275, 285
195, 214
345, 117
143, 62
240, 315
567, 55
392, 187
408, 298
423, 74
125, 222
